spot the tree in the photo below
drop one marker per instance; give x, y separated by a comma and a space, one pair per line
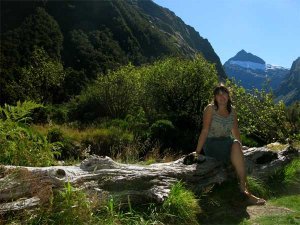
40, 29
258, 115
42, 79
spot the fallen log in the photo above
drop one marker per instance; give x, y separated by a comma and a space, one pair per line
27, 187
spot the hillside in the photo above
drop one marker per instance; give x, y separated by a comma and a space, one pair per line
289, 89
91, 37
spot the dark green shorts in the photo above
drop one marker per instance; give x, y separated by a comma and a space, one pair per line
219, 148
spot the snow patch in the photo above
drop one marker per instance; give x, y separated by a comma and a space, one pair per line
249, 65
275, 67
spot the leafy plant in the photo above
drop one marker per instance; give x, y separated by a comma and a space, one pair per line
19, 144
258, 115
181, 206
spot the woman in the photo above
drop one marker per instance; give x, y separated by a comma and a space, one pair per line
220, 137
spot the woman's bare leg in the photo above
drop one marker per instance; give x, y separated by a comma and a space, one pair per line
238, 162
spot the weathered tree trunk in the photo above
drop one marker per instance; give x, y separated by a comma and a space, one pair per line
26, 187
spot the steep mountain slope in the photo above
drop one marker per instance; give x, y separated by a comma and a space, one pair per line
289, 90
253, 72
100, 35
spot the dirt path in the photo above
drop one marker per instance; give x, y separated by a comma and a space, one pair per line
268, 209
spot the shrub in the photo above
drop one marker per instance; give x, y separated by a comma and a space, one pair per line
67, 149
176, 86
104, 141
19, 144
113, 95
258, 115
164, 132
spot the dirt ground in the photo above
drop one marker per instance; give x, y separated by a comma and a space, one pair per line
257, 211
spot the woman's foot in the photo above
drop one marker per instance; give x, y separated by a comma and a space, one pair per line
252, 199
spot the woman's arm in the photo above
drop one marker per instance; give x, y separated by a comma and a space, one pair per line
207, 117
235, 130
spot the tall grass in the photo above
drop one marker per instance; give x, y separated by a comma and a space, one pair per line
285, 177
258, 187
181, 206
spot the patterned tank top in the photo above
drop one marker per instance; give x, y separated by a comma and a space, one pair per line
221, 126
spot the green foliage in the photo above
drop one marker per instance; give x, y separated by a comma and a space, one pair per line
181, 206
257, 187
258, 115
291, 201
281, 179
42, 79
178, 90
163, 131
69, 206
113, 95
95, 52
68, 148
19, 144
248, 141
42, 30
293, 118
107, 141
19, 113
291, 218
22, 63
173, 89
176, 87
75, 81
112, 213
292, 172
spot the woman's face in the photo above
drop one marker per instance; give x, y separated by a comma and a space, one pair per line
222, 98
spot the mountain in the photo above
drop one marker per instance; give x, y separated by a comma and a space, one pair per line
253, 72
99, 35
289, 90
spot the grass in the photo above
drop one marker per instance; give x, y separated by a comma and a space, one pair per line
73, 206
223, 204
181, 206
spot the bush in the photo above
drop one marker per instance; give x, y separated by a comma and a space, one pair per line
107, 141
19, 144
164, 132
176, 86
248, 141
68, 149
113, 95
259, 116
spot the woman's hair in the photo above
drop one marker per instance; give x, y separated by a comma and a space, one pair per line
217, 90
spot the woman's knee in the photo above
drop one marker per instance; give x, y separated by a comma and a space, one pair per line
236, 145
236, 149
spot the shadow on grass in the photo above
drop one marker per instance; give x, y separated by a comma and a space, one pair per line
224, 204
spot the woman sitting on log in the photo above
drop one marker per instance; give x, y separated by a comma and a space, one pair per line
220, 138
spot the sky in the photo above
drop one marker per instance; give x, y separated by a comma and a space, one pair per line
269, 29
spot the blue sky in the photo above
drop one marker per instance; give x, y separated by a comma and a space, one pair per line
269, 29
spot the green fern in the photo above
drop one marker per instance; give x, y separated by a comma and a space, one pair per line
19, 113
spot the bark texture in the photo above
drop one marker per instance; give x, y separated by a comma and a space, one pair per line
27, 187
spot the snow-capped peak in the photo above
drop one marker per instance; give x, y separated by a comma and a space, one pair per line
275, 67
249, 64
